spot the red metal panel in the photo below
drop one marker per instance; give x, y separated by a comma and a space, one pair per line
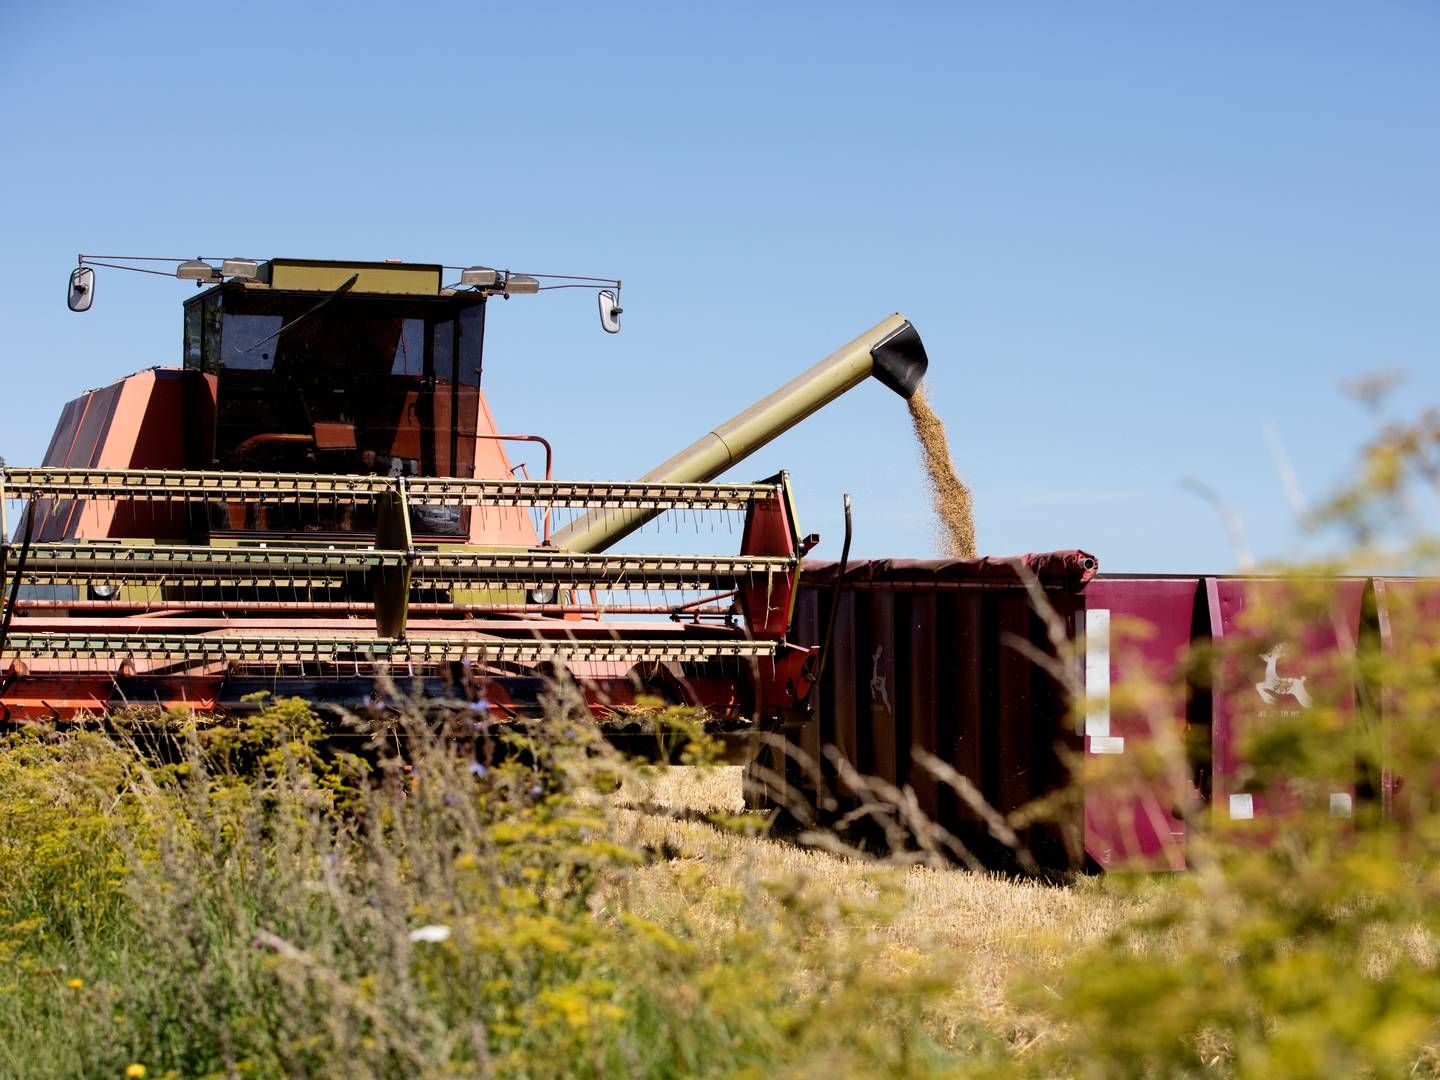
1137, 639
94, 425
922, 700
1281, 652
935, 656
959, 725
99, 413
808, 629
1062, 570
1008, 771
840, 731
48, 526
82, 426
768, 531
879, 752
64, 433
147, 432
783, 767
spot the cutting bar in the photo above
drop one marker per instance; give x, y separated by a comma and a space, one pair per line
177, 485
575, 570
80, 564
256, 649
317, 488
601, 495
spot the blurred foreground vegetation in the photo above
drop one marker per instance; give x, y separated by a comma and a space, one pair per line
265, 905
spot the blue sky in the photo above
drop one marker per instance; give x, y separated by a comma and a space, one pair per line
1134, 237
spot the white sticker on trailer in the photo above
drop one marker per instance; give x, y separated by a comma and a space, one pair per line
1341, 804
1107, 744
1242, 807
1097, 674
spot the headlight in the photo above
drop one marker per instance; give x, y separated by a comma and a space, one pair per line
542, 596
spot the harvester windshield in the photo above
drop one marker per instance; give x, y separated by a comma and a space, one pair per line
340, 384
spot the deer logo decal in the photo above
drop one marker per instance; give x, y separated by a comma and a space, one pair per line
878, 690
1276, 686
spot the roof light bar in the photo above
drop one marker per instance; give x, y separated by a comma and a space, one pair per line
516, 284
195, 270
245, 269
482, 277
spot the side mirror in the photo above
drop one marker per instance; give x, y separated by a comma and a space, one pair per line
610, 312
82, 288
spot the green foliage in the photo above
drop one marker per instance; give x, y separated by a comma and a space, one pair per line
64, 818
1302, 945
262, 907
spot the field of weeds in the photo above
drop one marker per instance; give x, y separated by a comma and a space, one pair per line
186, 898
231, 901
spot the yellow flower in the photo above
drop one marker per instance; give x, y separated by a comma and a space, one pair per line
135, 1071
75, 984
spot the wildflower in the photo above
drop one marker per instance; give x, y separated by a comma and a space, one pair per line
75, 984
476, 769
430, 935
570, 1006
135, 1070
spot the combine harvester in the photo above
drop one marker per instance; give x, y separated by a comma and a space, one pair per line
320, 497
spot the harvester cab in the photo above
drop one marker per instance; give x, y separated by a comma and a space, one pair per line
367, 383
363, 369
319, 502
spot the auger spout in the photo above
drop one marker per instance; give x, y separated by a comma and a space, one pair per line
891, 351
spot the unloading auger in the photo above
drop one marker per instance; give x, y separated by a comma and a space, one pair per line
318, 502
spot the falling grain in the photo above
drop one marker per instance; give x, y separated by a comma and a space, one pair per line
950, 496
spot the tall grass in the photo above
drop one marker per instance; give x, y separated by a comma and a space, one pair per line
265, 905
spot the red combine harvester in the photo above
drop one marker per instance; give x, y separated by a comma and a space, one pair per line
320, 497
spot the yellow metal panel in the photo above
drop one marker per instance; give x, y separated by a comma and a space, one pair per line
403, 278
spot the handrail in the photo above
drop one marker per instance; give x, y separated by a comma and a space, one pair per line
549, 462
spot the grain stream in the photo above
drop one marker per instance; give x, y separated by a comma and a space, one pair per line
953, 504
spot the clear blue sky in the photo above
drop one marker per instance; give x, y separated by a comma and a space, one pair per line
1132, 235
